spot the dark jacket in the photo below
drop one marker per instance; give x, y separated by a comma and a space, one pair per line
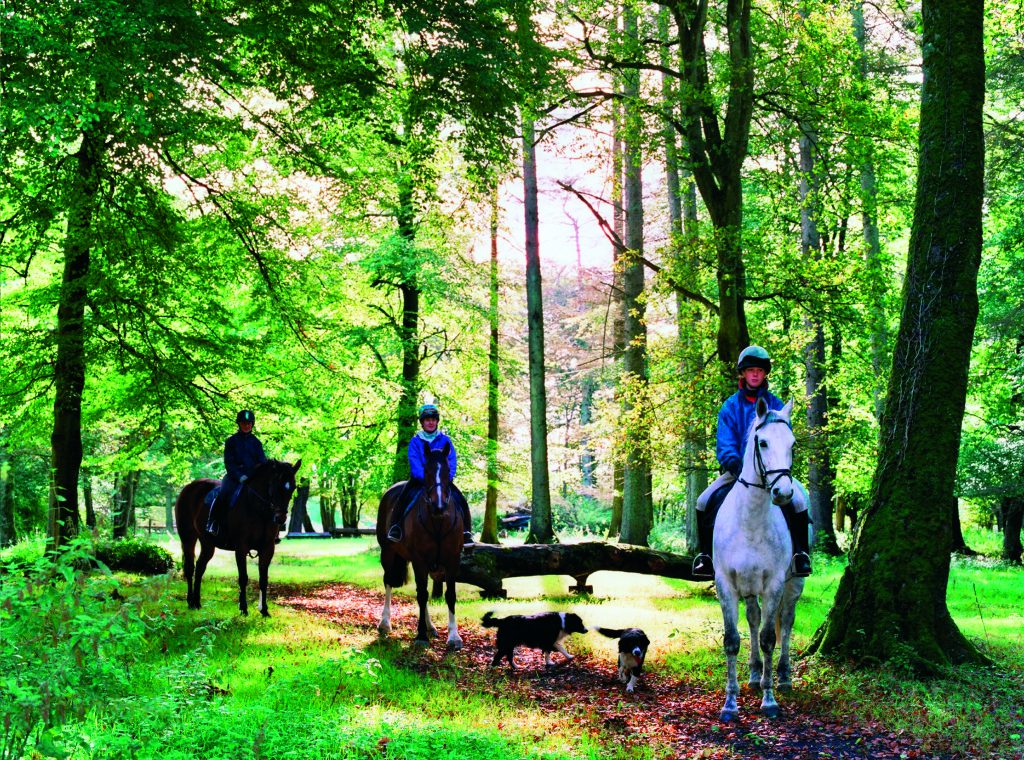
734, 420
417, 459
242, 452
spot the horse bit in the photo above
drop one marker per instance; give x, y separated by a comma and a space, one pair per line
759, 464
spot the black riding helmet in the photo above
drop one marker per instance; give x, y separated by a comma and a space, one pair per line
245, 416
429, 410
754, 356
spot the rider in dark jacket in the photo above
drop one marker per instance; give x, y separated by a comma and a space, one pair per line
734, 420
430, 417
242, 452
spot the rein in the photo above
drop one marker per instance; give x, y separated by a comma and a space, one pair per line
271, 507
762, 471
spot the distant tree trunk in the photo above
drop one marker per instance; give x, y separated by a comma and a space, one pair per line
541, 531
87, 498
489, 532
636, 505
618, 316
69, 367
407, 422
122, 510
682, 209
957, 543
7, 535
587, 463
904, 535
1012, 517
299, 519
878, 277
169, 498
349, 501
819, 463
327, 498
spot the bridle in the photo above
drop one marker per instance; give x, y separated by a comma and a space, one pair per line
271, 510
762, 470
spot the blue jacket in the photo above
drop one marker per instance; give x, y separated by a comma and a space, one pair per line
734, 420
242, 452
417, 459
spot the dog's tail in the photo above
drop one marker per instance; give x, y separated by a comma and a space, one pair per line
489, 621
612, 633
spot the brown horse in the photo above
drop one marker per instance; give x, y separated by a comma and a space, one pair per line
251, 525
432, 541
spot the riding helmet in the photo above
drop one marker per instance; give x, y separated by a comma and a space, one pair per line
754, 356
245, 416
429, 410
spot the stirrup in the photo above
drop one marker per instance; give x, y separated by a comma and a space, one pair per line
395, 534
801, 565
702, 567
212, 528
467, 538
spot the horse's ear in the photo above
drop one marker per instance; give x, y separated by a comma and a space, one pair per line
426, 450
761, 408
295, 467
787, 410
446, 450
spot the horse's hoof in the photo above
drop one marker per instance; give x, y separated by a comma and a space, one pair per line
454, 646
784, 686
754, 683
728, 716
264, 613
383, 630
422, 643
770, 712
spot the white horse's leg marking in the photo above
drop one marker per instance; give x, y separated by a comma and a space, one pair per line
730, 618
454, 639
754, 663
385, 618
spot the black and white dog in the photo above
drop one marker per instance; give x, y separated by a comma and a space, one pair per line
544, 631
633, 645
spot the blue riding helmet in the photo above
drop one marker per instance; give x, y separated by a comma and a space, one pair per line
245, 416
754, 356
429, 410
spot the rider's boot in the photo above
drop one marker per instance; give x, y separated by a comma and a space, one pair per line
702, 565
212, 525
395, 529
467, 522
799, 524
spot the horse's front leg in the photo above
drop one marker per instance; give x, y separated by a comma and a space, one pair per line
243, 581
754, 624
454, 639
264, 565
384, 627
205, 553
730, 617
769, 707
424, 628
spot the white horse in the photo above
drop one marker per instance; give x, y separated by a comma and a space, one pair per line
752, 553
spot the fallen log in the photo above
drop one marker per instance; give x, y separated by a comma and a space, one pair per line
487, 565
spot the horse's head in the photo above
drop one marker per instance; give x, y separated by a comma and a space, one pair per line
770, 448
273, 483
437, 478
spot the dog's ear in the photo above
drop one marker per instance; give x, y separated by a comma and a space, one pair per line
612, 633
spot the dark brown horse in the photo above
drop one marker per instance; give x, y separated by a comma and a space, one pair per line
251, 525
432, 542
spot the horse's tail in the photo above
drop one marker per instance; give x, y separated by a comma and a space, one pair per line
612, 633
489, 621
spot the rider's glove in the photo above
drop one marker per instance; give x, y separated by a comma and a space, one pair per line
243, 478
732, 466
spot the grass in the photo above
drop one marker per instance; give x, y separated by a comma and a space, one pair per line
213, 684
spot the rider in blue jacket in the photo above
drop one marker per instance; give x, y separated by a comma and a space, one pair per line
242, 452
430, 418
734, 420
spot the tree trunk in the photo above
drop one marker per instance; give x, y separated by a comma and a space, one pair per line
1012, 517
878, 277
489, 531
349, 501
69, 367
407, 422
299, 520
327, 497
587, 463
541, 531
957, 543
618, 316
87, 498
122, 509
891, 601
169, 499
7, 536
636, 508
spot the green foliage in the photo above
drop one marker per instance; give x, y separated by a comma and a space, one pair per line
70, 645
134, 555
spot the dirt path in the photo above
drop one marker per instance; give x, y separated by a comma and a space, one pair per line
666, 712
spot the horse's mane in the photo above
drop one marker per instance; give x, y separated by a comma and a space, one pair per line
266, 466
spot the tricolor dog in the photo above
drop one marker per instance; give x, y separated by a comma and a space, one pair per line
544, 631
633, 645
